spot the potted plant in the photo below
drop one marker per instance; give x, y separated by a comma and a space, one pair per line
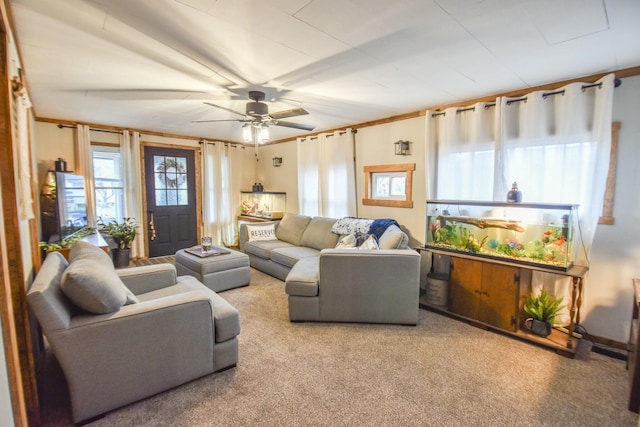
122, 234
542, 309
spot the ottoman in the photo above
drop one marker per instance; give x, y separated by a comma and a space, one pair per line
219, 273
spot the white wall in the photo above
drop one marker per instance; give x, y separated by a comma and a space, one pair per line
616, 248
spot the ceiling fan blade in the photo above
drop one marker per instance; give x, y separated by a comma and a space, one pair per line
292, 125
225, 108
289, 113
210, 121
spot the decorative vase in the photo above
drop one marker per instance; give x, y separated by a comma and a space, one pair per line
538, 327
121, 257
514, 195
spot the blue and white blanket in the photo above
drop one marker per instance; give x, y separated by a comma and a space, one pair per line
358, 226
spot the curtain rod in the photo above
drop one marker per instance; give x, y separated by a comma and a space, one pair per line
616, 83
342, 132
60, 126
223, 143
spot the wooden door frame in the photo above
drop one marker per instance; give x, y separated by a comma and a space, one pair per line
197, 159
16, 329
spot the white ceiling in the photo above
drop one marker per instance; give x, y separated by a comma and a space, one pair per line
150, 64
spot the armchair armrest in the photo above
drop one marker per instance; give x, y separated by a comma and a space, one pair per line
244, 235
148, 278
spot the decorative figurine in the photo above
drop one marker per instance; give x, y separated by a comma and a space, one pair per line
514, 195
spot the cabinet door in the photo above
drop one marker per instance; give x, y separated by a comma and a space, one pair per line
499, 296
465, 283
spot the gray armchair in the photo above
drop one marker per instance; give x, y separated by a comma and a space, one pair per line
177, 331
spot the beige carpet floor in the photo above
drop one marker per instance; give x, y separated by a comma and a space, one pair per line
441, 373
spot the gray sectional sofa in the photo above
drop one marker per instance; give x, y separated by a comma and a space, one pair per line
325, 283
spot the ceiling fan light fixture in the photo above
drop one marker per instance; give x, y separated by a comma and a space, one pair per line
246, 132
263, 133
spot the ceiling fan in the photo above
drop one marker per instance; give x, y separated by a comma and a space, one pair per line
257, 114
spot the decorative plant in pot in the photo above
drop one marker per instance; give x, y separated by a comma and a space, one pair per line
123, 234
542, 309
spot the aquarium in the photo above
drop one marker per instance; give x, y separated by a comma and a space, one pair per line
263, 204
537, 234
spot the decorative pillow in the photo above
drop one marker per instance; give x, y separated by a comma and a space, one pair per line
393, 238
86, 250
346, 242
369, 243
94, 287
261, 232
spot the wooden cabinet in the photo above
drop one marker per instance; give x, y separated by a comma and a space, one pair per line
490, 294
487, 292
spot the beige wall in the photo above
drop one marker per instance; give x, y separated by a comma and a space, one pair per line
283, 178
375, 146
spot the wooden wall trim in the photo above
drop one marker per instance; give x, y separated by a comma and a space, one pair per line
99, 127
610, 189
16, 328
627, 72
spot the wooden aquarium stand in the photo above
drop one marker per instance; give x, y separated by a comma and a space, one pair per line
490, 294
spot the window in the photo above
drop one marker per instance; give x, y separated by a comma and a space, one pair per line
389, 185
170, 175
108, 183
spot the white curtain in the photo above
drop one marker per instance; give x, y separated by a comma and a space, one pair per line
25, 199
221, 176
130, 149
461, 150
557, 148
84, 167
326, 175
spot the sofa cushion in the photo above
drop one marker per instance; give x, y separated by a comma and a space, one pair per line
257, 232
291, 228
318, 234
263, 248
303, 278
290, 255
94, 287
393, 238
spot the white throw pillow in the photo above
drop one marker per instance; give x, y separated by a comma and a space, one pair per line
346, 242
261, 232
370, 243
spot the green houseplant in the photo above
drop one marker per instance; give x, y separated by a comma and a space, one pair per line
542, 309
122, 234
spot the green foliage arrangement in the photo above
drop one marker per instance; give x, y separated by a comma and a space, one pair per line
123, 232
69, 241
543, 307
